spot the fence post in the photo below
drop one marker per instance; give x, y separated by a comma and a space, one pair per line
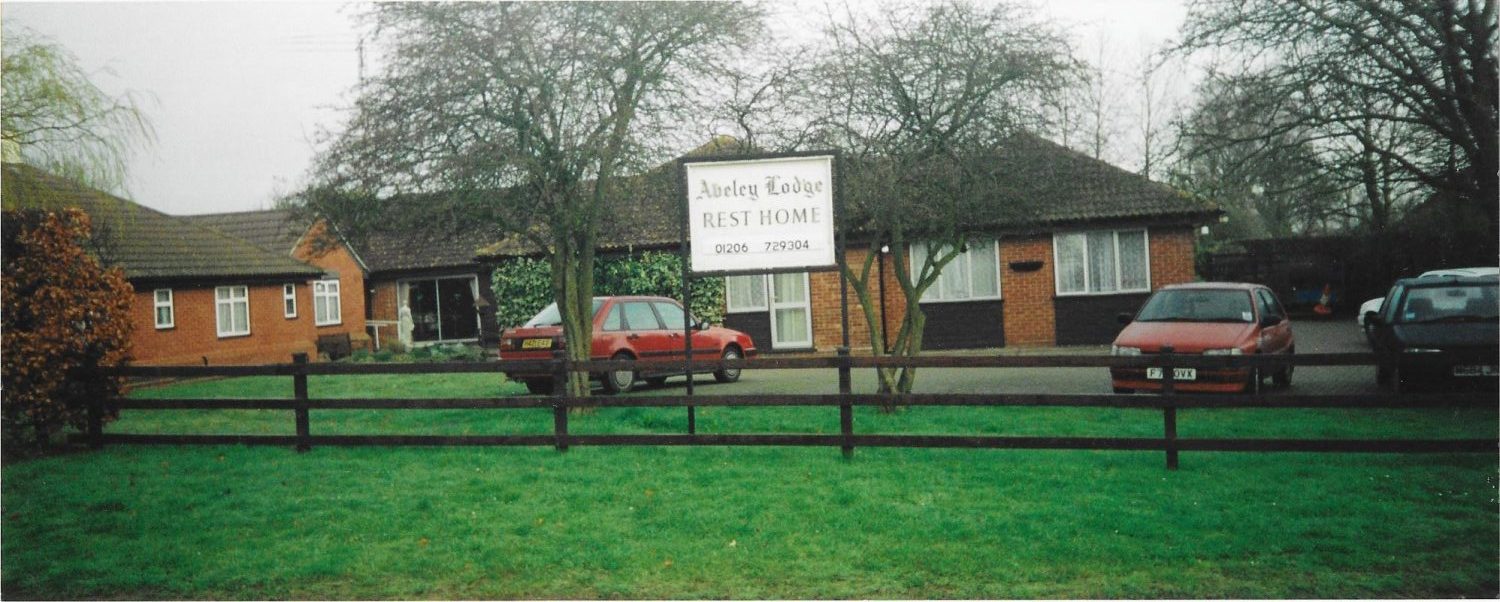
560, 378
299, 391
96, 423
1169, 411
846, 409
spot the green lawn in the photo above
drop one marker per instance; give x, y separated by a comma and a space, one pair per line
238, 522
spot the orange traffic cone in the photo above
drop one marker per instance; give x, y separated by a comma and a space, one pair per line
1322, 308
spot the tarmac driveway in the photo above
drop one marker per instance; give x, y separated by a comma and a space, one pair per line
1322, 336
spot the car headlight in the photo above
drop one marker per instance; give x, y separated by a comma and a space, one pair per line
1118, 350
1421, 350
1233, 351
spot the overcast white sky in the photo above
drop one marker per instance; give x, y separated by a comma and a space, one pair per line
237, 90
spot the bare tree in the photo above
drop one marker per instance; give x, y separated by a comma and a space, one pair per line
1406, 89
919, 99
529, 114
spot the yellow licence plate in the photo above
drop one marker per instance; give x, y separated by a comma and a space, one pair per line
536, 344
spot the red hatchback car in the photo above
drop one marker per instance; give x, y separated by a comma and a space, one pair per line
625, 328
1209, 318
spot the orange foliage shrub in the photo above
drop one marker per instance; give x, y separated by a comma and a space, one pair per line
62, 314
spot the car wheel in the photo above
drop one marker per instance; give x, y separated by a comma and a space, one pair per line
656, 381
619, 381
729, 375
1124, 390
538, 387
1283, 377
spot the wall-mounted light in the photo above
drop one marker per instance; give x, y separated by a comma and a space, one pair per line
885, 248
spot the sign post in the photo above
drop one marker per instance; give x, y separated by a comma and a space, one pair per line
758, 214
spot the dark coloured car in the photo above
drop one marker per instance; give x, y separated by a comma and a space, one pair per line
1208, 318
1442, 331
625, 328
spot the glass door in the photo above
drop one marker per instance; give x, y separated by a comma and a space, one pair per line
791, 315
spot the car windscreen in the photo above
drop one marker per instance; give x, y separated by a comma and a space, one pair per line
1449, 303
1197, 305
551, 317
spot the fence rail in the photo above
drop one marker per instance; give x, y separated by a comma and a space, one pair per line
1168, 402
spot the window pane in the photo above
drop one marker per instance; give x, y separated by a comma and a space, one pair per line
613, 321
163, 296
638, 316
953, 281
791, 326
1070, 275
984, 275
291, 307
221, 293
241, 317
163, 316
1101, 262
790, 288
745, 292
1133, 266
671, 315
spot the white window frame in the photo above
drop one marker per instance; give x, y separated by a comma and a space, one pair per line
1087, 281
221, 303
964, 258
156, 306
731, 307
805, 305
289, 300
327, 299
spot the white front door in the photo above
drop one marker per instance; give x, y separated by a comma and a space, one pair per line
791, 314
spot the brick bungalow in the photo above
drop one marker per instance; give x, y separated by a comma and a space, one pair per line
340, 305
1094, 241
433, 272
201, 296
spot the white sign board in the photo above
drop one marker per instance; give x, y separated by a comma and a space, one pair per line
761, 215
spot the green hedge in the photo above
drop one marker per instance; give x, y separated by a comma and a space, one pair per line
523, 286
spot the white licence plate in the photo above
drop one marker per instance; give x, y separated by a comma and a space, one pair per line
1475, 371
1177, 373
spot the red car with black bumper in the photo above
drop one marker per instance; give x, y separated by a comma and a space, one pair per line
625, 328
1208, 318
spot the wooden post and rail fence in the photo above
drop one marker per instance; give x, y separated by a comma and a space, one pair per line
1167, 403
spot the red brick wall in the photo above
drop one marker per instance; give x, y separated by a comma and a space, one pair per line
1172, 260
336, 258
1029, 314
194, 338
827, 322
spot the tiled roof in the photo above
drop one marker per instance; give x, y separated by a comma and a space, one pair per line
1052, 184
1060, 185
148, 244
435, 249
273, 230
